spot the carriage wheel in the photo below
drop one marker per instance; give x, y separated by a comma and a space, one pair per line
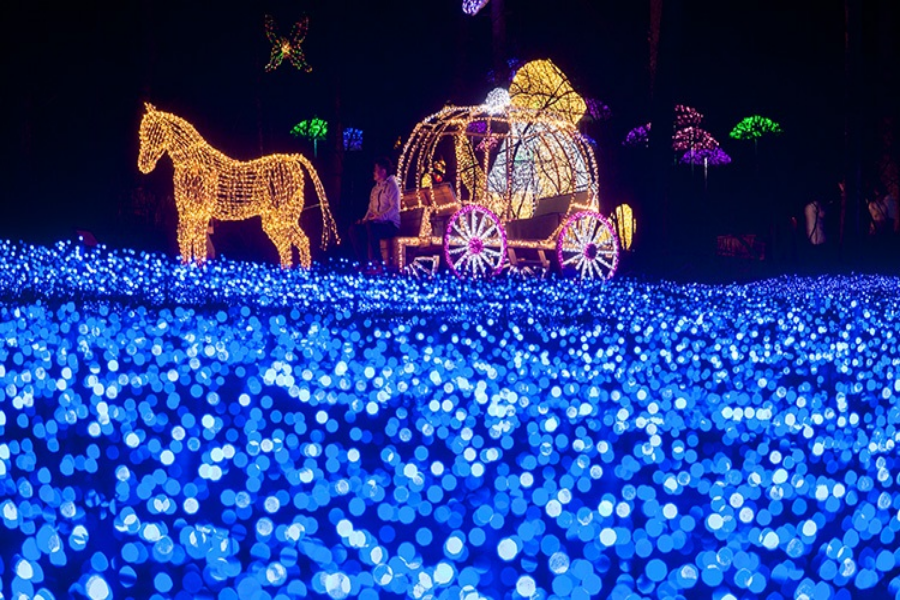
588, 244
475, 243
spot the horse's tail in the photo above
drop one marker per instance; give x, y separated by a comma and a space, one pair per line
329, 227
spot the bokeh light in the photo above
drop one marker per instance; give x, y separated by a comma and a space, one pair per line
237, 431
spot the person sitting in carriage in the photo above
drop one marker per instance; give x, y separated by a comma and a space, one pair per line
382, 219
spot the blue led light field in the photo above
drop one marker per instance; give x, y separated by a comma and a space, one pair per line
239, 431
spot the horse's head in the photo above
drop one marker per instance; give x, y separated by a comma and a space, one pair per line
154, 138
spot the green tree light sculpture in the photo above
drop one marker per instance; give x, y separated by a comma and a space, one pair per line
314, 129
753, 128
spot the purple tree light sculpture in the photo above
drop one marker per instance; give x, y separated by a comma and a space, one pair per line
708, 157
639, 137
691, 139
597, 110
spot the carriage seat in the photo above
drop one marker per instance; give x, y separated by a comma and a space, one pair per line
549, 214
413, 204
560, 204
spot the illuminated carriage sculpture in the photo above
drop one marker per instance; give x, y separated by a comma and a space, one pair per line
525, 185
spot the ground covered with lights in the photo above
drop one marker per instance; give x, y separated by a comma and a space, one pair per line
239, 431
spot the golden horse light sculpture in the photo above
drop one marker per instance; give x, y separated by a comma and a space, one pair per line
210, 185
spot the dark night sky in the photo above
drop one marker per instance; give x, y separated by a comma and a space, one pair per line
75, 75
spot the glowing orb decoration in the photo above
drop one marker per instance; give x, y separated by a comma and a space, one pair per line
541, 85
243, 431
497, 101
475, 244
472, 7
755, 127
210, 185
287, 47
588, 245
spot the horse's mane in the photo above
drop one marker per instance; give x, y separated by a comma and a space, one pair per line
190, 138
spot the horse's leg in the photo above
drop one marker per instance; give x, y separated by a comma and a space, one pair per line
301, 241
194, 203
281, 238
298, 236
183, 203
192, 239
198, 239
184, 239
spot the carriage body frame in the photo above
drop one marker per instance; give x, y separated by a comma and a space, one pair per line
561, 182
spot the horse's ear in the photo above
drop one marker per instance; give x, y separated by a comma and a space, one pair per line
149, 107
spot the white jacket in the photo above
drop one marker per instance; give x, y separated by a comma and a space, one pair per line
384, 202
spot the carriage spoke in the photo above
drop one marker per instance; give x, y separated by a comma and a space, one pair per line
481, 262
461, 230
471, 224
483, 223
587, 230
488, 267
475, 266
586, 268
585, 265
490, 231
572, 246
597, 231
495, 259
578, 232
468, 224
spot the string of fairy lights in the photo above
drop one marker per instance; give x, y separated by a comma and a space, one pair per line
210, 185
